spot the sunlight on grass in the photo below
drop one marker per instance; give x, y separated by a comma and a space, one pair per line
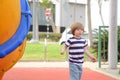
36, 52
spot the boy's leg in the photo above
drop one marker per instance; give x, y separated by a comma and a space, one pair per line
80, 70
75, 71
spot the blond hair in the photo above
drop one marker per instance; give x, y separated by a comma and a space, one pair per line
76, 25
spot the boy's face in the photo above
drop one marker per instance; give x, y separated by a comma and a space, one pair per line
78, 32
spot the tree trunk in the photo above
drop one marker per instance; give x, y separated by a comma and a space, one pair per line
100, 5
52, 23
89, 23
112, 46
35, 38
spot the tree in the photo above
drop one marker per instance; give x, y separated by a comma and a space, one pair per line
35, 38
89, 22
112, 32
100, 12
49, 4
112, 50
89, 18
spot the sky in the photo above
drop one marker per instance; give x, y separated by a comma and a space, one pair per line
96, 21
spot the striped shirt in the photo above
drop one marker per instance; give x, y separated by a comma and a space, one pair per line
76, 49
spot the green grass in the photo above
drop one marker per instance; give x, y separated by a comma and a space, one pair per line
37, 52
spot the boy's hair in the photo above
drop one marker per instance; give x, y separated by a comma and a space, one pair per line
76, 25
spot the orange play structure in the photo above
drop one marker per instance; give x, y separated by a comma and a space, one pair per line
14, 26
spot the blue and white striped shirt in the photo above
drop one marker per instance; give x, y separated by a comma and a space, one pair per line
76, 49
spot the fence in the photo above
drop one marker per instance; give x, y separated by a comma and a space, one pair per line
103, 43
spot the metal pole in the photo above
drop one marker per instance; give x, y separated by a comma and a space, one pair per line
45, 41
45, 49
48, 29
99, 47
112, 52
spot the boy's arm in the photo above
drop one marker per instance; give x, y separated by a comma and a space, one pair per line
89, 54
63, 49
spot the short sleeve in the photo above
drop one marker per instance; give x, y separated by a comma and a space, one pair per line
68, 43
86, 43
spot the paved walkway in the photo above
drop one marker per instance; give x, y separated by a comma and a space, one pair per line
89, 65
115, 73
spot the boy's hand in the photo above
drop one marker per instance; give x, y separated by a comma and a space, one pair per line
61, 52
94, 59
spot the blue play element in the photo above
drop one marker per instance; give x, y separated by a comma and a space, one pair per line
17, 39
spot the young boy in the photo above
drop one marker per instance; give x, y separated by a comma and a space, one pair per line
77, 47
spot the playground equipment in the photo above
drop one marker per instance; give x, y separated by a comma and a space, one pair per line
14, 26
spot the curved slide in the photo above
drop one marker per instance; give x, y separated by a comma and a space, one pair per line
14, 25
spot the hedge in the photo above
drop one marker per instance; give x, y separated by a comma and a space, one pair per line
42, 35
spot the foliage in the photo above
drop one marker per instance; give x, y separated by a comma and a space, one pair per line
47, 4
52, 36
104, 44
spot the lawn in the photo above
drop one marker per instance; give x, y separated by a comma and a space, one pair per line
37, 52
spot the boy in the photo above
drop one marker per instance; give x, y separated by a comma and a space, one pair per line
77, 47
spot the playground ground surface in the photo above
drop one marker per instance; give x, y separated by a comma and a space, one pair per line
59, 71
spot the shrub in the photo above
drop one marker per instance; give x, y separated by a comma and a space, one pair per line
42, 35
104, 44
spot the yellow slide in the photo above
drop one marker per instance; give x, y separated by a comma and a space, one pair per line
10, 17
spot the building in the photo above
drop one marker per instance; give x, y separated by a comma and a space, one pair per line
66, 12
